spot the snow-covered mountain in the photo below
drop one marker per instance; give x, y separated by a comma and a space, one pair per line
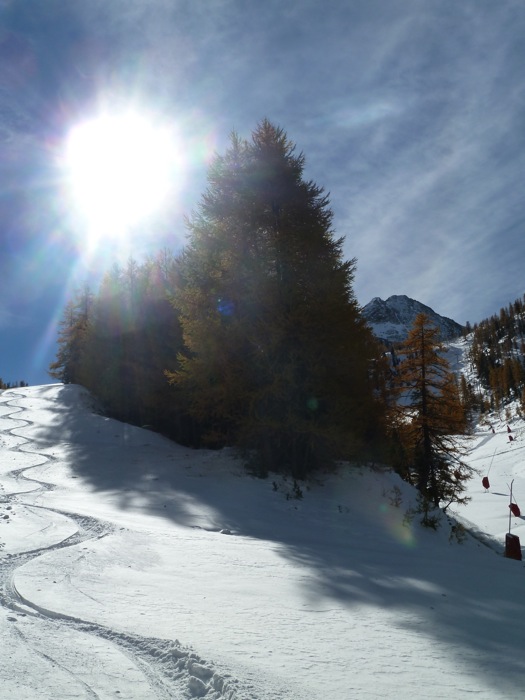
391, 320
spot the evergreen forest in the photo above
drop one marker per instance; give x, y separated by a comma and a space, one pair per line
251, 337
497, 356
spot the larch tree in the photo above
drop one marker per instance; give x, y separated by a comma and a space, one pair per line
278, 357
67, 366
132, 335
430, 417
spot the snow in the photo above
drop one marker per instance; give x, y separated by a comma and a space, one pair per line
132, 567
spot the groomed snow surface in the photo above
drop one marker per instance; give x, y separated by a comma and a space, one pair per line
134, 568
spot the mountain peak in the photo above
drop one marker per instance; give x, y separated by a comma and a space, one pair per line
392, 319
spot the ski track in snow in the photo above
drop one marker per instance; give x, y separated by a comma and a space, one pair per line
170, 669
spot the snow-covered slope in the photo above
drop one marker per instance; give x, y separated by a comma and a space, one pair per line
391, 320
132, 567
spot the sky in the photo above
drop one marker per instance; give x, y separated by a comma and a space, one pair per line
410, 115
128, 570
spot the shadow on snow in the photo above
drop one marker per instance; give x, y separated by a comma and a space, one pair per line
353, 551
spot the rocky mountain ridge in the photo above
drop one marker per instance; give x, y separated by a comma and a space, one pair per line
392, 319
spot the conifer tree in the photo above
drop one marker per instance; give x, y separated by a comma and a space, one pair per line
430, 416
278, 356
67, 366
132, 335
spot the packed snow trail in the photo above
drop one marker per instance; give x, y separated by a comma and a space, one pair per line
118, 542
154, 668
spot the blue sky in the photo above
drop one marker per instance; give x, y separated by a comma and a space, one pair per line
410, 113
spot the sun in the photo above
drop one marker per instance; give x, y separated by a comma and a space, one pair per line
119, 170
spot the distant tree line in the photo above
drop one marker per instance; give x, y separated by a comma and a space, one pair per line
12, 385
497, 354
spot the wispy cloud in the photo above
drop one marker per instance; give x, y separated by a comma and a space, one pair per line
430, 191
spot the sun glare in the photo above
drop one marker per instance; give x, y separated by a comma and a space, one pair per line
119, 170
